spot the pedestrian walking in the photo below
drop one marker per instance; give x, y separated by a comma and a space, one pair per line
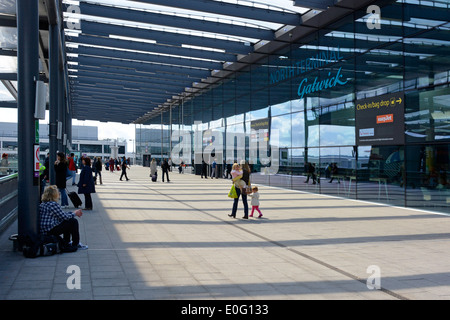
255, 201
72, 168
124, 169
98, 170
153, 170
86, 183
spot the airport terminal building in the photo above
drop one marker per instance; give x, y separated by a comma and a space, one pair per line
367, 94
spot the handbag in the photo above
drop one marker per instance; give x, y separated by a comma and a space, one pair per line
233, 194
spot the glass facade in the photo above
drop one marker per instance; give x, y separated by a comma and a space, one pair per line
309, 95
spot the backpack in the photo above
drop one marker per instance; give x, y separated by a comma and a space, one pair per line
41, 245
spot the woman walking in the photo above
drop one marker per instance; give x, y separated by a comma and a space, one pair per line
86, 184
61, 177
153, 170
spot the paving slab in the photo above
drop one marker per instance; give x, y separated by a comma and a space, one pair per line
168, 241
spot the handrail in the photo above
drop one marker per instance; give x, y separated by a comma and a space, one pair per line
11, 176
8, 200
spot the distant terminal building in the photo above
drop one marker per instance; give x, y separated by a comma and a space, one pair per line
85, 141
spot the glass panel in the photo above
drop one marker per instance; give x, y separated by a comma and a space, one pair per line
298, 129
298, 168
379, 72
312, 127
259, 75
4, 94
8, 64
368, 35
337, 125
91, 148
338, 171
282, 125
8, 7
381, 174
8, 37
427, 115
428, 177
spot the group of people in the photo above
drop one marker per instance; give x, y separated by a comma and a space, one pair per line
165, 168
65, 169
53, 220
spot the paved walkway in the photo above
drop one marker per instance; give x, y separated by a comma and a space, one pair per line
175, 241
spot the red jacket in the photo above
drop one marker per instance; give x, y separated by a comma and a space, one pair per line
72, 166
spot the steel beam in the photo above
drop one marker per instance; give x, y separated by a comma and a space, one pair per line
28, 73
141, 66
84, 39
176, 21
162, 37
145, 57
231, 10
133, 74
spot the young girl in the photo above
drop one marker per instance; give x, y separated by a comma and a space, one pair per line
255, 201
235, 173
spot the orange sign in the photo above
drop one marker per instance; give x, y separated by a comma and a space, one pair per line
385, 118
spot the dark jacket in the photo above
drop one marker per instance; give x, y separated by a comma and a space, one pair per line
61, 174
165, 166
98, 166
87, 179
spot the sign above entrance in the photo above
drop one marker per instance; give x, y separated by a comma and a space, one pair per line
380, 120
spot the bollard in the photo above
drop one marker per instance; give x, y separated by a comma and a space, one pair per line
15, 239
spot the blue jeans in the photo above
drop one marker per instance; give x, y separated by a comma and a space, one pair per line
73, 174
64, 199
235, 203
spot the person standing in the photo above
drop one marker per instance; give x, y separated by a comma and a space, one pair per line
246, 178
72, 168
86, 183
124, 169
4, 165
214, 169
204, 169
98, 170
111, 165
170, 164
165, 170
61, 177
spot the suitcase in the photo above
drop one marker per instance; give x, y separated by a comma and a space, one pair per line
154, 177
75, 199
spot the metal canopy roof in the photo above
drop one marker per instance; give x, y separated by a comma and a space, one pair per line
128, 61
132, 59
